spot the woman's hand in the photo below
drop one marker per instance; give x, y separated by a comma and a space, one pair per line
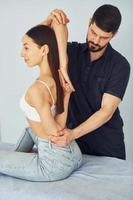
65, 82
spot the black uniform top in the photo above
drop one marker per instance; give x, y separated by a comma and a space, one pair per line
109, 74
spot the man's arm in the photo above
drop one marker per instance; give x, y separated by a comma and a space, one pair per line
108, 106
104, 114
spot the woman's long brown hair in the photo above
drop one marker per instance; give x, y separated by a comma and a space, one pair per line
41, 35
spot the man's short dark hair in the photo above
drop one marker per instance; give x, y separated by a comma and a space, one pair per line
107, 17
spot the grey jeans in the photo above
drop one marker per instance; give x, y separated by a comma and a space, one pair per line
47, 163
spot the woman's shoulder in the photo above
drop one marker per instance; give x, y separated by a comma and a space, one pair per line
36, 90
35, 95
49, 81
39, 89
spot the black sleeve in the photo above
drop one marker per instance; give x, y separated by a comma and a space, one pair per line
119, 78
72, 51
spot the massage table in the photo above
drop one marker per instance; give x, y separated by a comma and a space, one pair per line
99, 178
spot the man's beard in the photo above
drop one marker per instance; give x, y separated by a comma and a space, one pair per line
94, 47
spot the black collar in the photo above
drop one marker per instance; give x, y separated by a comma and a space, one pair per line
84, 48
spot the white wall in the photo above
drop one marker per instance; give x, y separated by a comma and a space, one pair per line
16, 17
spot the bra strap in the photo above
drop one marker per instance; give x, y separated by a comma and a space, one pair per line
46, 85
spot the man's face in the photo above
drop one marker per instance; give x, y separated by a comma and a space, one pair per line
97, 39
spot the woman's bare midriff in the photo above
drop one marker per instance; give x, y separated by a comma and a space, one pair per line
38, 129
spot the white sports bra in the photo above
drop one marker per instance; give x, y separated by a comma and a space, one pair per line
30, 112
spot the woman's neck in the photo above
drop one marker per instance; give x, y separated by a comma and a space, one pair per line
44, 69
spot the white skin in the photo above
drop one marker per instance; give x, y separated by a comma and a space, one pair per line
109, 102
38, 96
62, 37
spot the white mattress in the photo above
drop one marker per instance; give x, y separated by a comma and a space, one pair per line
100, 178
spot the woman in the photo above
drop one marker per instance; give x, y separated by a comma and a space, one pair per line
45, 105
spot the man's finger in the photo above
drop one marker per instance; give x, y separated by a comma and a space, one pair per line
54, 18
58, 16
63, 16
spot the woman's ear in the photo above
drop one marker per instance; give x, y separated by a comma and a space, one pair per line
45, 49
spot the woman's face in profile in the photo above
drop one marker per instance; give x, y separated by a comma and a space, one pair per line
31, 52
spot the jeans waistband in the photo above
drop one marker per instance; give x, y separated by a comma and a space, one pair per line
50, 144
46, 140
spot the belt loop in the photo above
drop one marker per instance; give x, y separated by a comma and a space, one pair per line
37, 139
50, 144
71, 148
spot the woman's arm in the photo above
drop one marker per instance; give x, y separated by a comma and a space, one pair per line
61, 118
61, 32
58, 21
40, 100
